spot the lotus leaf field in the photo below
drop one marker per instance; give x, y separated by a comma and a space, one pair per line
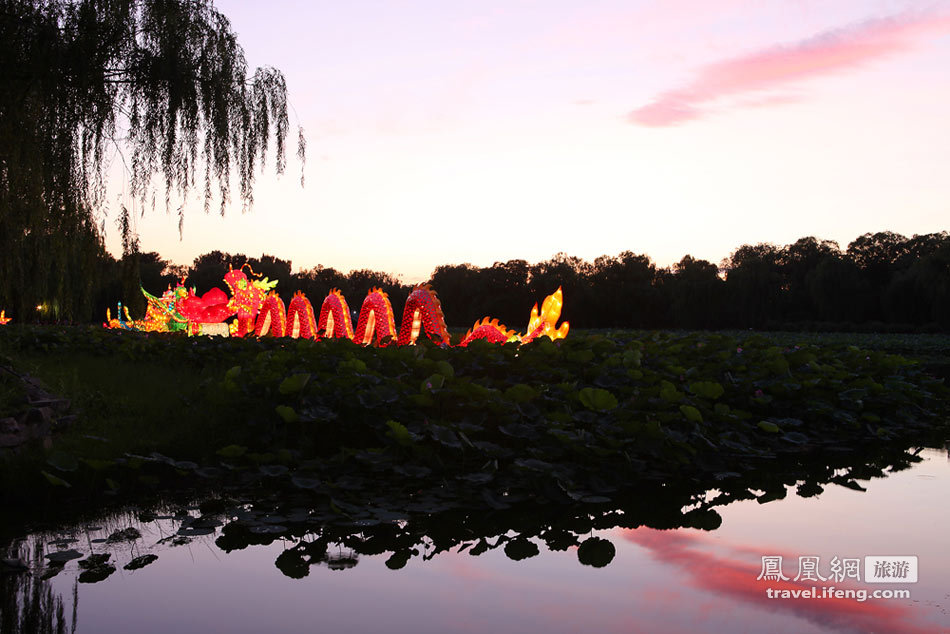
595, 420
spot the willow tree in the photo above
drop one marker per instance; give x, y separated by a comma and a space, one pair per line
161, 87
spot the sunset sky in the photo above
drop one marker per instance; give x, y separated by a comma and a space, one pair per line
445, 132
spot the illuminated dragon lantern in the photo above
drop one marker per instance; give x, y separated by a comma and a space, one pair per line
248, 298
376, 323
211, 308
178, 309
4, 320
261, 311
161, 314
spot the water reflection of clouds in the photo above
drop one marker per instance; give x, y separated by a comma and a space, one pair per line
552, 593
733, 574
660, 581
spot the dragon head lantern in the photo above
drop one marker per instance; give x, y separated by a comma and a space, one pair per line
248, 297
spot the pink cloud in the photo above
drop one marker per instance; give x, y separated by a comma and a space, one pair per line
829, 52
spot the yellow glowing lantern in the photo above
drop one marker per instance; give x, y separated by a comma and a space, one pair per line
543, 323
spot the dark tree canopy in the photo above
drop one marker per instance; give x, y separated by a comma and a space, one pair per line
160, 85
810, 284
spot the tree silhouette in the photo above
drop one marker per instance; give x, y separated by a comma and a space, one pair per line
696, 294
798, 261
161, 84
571, 274
209, 269
876, 252
837, 290
754, 284
274, 268
460, 288
155, 273
918, 291
317, 282
620, 292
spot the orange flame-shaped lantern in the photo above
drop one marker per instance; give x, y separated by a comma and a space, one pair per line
543, 323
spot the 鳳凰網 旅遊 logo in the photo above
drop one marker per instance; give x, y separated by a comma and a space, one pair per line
877, 569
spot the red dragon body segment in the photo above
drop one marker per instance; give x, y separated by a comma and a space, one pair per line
335, 318
376, 318
272, 318
490, 331
300, 320
423, 310
211, 308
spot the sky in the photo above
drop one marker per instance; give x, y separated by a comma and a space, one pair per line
447, 132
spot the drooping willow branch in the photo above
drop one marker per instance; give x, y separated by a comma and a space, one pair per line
167, 77
172, 71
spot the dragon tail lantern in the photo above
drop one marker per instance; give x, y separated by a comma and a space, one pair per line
490, 331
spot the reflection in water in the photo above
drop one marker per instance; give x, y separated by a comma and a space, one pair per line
736, 577
679, 574
27, 601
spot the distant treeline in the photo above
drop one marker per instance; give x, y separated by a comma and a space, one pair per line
880, 282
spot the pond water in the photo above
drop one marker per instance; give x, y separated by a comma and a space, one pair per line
602, 575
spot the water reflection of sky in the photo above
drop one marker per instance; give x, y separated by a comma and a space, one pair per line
660, 581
